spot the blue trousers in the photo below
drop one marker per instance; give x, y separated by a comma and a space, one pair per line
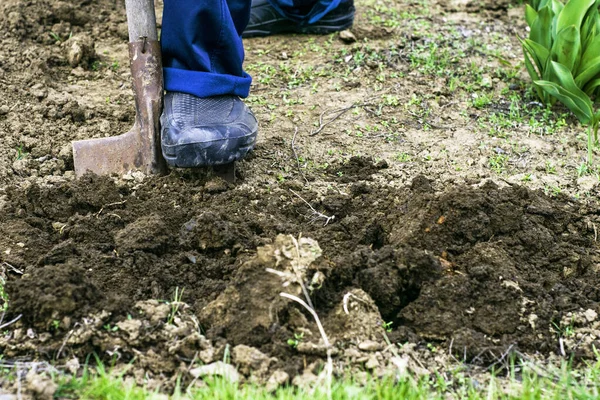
202, 42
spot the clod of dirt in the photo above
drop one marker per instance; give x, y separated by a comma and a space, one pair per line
251, 361
147, 233
41, 385
80, 50
219, 368
250, 310
52, 292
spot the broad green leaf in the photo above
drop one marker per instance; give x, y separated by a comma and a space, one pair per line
567, 47
568, 93
565, 79
590, 53
588, 74
584, 114
592, 86
533, 74
573, 13
539, 54
540, 31
557, 7
530, 15
588, 28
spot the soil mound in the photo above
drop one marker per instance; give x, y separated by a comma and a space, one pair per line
478, 268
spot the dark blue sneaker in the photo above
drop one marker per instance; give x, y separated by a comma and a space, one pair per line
198, 132
265, 20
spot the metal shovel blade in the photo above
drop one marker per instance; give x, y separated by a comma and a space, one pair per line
138, 149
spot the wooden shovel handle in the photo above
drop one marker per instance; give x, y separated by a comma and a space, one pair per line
141, 20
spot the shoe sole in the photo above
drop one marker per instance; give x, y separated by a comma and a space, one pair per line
192, 155
320, 28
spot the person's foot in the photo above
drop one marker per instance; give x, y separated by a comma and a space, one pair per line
198, 132
265, 20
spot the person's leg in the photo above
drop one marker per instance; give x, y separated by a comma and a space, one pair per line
204, 122
202, 46
299, 16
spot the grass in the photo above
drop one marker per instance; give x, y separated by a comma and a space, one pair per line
526, 381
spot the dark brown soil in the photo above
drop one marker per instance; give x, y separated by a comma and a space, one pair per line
93, 265
481, 267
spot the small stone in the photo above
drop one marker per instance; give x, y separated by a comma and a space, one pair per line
73, 365
138, 176
42, 386
305, 381
278, 378
587, 183
132, 327
352, 353
372, 363
249, 359
370, 345
314, 349
347, 36
219, 368
590, 315
216, 185
80, 50
4, 109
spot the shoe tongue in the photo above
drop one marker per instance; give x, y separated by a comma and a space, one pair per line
200, 111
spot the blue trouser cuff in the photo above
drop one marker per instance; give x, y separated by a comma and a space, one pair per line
289, 9
206, 84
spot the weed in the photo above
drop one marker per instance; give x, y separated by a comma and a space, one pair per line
387, 326
403, 157
298, 337
175, 304
21, 153
498, 163
110, 328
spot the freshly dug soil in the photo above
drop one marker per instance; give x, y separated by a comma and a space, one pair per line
480, 268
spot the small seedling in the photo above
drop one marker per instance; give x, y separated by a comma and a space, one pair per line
175, 305
298, 337
21, 153
387, 326
110, 328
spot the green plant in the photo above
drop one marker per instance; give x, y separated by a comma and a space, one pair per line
298, 337
175, 304
110, 328
387, 326
562, 56
3, 295
21, 153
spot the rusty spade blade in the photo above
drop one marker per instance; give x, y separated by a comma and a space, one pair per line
138, 149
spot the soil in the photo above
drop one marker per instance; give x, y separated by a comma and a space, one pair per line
392, 212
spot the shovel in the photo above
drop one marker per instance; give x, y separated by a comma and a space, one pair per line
138, 149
